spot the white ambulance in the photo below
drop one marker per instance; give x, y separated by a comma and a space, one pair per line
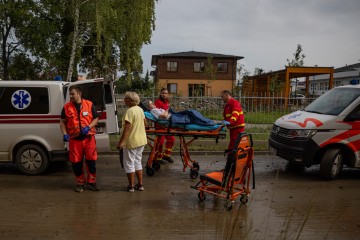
30, 112
327, 132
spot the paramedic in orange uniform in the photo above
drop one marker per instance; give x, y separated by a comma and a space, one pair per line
78, 120
163, 157
233, 114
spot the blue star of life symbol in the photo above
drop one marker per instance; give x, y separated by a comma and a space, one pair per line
21, 99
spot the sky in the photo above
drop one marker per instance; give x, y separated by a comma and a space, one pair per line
265, 32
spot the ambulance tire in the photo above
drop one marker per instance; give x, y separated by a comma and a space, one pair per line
331, 164
31, 159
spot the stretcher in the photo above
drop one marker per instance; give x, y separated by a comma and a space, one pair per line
234, 180
161, 127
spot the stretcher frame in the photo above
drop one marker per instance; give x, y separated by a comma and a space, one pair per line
155, 132
233, 181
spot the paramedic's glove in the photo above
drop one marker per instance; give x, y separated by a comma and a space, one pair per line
66, 138
85, 130
225, 123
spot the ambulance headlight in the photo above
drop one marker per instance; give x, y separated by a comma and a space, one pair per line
304, 134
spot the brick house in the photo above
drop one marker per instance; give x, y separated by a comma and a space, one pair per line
192, 73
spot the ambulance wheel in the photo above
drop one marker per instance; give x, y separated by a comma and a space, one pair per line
155, 165
31, 159
194, 174
331, 164
150, 171
201, 196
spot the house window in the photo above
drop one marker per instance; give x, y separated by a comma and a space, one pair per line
172, 87
199, 66
171, 66
222, 67
196, 90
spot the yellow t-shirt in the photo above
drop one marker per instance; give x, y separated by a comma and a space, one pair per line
135, 116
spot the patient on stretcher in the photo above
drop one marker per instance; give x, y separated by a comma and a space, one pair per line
183, 117
158, 112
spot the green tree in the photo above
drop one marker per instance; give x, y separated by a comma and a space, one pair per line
100, 36
298, 60
241, 75
210, 74
275, 83
14, 15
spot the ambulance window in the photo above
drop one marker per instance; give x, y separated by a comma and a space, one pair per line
108, 93
24, 100
94, 93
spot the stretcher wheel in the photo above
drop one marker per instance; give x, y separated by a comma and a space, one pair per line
150, 171
244, 199
155, 165
196, 166
229, 205
193, 173
201, 196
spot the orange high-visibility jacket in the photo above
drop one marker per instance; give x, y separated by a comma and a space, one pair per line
233, 113
73, 120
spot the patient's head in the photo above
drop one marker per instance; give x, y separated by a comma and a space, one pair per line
150, 105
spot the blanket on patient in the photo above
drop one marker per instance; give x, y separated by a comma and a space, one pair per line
189, 117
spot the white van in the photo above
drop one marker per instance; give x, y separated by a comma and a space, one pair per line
30, 112
327, 132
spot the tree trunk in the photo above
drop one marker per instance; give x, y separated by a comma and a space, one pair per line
74, 44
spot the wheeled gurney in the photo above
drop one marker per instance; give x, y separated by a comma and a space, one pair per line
234, 180
161, 127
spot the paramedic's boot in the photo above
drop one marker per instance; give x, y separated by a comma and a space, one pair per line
168, 159
93, 187
79, 188
161, 161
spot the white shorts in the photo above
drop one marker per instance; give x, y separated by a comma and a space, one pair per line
132, 159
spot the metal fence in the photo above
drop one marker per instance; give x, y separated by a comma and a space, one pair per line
260, 111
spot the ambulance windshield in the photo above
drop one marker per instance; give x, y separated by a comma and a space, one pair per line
334, 101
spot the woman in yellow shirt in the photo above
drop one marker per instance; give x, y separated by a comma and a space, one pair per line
132, 141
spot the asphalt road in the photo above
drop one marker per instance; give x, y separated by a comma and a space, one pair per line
286, 204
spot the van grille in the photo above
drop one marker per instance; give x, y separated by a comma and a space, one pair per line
279, 134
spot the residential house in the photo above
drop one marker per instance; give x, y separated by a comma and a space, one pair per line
192, 73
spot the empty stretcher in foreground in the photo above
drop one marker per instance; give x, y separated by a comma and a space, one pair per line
234, 180
163, 127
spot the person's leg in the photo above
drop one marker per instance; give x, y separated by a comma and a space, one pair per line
76, 158
131, 179
137, 152
159, 149
79, 173
170, 140
129, 168
233, 135
91, 157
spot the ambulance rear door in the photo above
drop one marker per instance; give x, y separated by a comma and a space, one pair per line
98, 91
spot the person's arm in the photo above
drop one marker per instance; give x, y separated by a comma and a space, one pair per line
63, 126
63, 122
164, 115
124, 136
95, 120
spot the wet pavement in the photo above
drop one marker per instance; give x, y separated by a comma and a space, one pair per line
286, 204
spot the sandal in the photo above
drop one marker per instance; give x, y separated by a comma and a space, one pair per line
139, 187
